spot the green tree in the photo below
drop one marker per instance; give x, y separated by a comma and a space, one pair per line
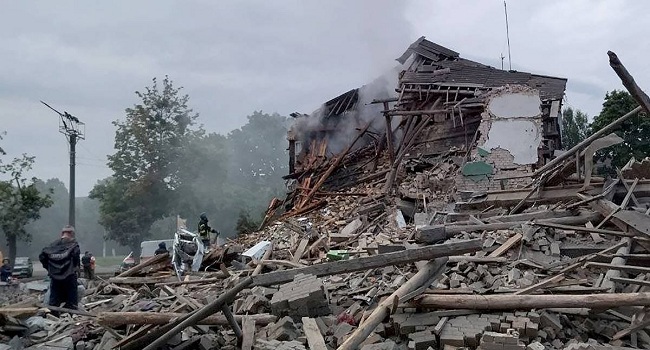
20, 202
575, 127
149, 144
245, 224
634, 131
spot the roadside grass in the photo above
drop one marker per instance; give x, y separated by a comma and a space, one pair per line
109, 260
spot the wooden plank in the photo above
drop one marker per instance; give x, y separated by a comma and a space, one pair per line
627, 268
441, 324
631, 281
506, 246
141, 266
370, 262
432, 268
584, 229
248, 328
540, 285
632, 328
300, 251
570, 220
313, 334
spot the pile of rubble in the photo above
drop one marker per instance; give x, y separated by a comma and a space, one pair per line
428, 235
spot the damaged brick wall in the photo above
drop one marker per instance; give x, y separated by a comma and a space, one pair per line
510, 135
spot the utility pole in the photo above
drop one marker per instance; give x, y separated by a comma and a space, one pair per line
73, 129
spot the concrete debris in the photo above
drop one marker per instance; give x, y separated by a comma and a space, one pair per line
458, 165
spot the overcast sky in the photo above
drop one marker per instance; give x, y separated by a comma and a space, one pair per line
235, 57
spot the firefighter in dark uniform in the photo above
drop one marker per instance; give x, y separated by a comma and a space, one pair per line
205, 230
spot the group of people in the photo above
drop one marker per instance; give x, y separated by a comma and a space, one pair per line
62, 260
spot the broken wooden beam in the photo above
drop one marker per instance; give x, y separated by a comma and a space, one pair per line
371, 262
144, 264
313, 334
195, 317
584, 143
569, 220
534, 301
628, 81
385, 308
628, 268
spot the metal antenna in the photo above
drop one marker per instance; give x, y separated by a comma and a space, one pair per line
73, 129
505, 9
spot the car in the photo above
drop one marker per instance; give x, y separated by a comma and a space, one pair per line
23, 267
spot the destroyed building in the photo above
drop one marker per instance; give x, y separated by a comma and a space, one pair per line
502, 124
424, 212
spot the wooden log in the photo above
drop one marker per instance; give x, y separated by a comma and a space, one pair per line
178, 283
431, 269
371, 262
535, 301
313, 334
141, 266
629, 83
117, 319
231, 320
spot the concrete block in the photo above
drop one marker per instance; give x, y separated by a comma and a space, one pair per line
535, 346
452, 338
550, 320
431, 234
386, 345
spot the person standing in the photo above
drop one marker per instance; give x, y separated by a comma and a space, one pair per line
5, 271
205, 230
61, 259
162, 249
88, 263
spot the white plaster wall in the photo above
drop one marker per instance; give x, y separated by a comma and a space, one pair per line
523, 104
520, 137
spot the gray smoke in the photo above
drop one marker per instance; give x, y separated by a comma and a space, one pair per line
345, 127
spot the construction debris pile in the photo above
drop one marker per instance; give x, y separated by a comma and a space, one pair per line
456, 225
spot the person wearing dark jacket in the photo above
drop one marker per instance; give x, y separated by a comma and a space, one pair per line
162, 249
205, 230
61, 259
5, 271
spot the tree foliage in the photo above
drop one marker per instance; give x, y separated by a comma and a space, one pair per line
20, 202
149, 144
575, 127
634, 131
245, 224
